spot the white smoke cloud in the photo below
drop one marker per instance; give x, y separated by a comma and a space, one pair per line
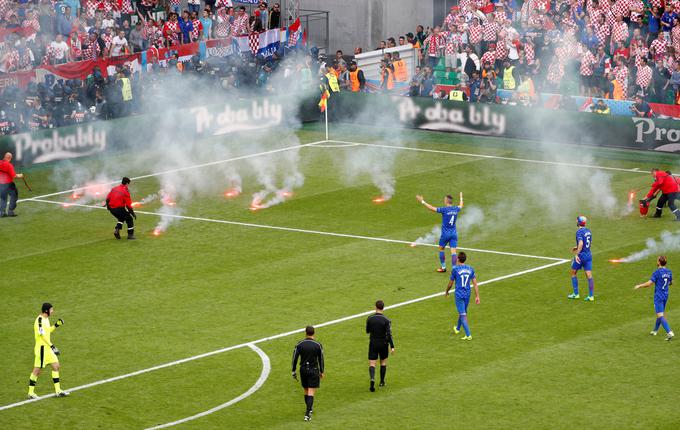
668, 242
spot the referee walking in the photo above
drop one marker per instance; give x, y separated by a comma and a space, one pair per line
310, 353
379, 327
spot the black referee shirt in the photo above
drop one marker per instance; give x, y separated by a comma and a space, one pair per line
310, 353
380, 329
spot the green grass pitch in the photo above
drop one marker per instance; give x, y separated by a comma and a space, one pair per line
537, 359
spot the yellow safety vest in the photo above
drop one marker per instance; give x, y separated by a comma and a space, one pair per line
127, 89
508, 79
456, 95
333, 82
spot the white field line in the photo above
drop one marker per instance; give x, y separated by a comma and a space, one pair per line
264, 374
276, 336
493, 157
300, 230
181, 169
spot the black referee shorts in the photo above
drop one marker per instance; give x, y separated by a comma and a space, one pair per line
123, 216
310, 377
376, 350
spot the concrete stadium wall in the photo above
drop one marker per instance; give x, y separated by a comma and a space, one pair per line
365, 23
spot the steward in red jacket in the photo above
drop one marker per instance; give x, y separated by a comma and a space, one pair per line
119, 203
670, 191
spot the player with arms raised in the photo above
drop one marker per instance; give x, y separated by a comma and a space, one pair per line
463, 276
449, 234
583, 259
662, 279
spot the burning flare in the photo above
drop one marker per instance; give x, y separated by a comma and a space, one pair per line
381, 199
232, 192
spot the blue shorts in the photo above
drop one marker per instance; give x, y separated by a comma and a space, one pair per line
660, 305
450, 239
585, 264
462, 305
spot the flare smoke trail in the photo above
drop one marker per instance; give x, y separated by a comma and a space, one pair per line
668, 242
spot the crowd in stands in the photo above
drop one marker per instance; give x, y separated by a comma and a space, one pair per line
36, 33
614, 49
47, 31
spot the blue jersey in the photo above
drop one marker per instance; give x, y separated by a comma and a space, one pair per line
449, 218
584, 235
462, 276
662, 278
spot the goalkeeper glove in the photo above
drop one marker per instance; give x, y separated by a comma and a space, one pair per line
59, 322
55, 350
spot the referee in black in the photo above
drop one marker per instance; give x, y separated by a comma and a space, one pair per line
310, 353
380, 329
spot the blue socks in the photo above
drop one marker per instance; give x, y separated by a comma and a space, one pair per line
453, 260
664, 323
657, 324
442, 259
591, 287
458, 324
463, 319
574, 283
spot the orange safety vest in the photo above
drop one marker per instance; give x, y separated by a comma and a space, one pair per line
400, 72
390, 79
354, 80
618, 90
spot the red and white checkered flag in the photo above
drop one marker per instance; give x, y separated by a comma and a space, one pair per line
254, 42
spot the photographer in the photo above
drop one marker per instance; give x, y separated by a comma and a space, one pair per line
641, 108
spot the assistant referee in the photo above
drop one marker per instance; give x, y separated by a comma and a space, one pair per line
310, 353
380, 329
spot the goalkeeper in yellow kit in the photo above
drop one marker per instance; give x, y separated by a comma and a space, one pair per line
45, 351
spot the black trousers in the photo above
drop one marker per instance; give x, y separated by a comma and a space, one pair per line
123, 216
670, 198
8, 192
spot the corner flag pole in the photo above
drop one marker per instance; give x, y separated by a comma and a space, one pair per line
326, 114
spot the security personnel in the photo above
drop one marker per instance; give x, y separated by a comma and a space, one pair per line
332, 79
386, 76
379, 327
509, 76
126, 92
400, 69
310, 353
356, 78
670, 191
7, 186
119, 203
458, 95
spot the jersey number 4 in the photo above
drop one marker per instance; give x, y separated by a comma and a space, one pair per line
452, 220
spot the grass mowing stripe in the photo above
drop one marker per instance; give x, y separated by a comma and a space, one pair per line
302, 230
493, 157
276, 336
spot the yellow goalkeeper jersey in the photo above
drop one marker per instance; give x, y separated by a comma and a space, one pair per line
42, 330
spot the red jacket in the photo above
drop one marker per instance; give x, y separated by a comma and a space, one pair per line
119, 197
7, 173
664, 182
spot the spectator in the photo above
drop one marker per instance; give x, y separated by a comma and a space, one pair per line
474, 86
427, 83
433, 45
119, 44
241, 22
65, 22
60, 50
172, 31
186, 26
263, 15
275, 16
207, 23
137, 38
194, 6
340, 59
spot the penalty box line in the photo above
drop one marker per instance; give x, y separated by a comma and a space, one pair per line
302, 230
492, 157
179, 169
274, 337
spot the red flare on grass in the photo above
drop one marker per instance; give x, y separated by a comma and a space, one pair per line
616, 260
75, 196
413, 245
287, 194
379, 200
136, 204
231, 193
631, 197
157, 232
168, 202
66, 205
